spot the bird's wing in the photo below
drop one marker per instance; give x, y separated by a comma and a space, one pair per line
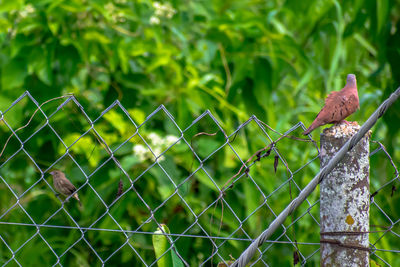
66, 184
338, 106
328, 113
331, 97
352, 103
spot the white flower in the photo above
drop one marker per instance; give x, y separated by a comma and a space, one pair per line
155, 139
159, 12
157, 151
110, 7
170, 15
154, 20
171, 139
157, 5
163, 10
30, 8
140, 151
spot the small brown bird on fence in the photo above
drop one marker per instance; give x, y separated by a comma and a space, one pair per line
338, 105
63, 185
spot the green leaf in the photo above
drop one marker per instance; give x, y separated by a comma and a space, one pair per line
176, 261
117, 121
382, 12
40, 63
161, 244
73, 6
96, 36
5, 25
13, 74
6, 6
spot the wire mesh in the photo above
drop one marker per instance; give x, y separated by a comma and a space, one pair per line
209, 191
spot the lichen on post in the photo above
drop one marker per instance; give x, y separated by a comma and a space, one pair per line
344, 207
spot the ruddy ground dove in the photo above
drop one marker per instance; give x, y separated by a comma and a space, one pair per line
338, 105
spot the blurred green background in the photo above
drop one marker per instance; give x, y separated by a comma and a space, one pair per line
275, 59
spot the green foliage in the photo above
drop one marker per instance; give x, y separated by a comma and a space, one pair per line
274, 59
162, 248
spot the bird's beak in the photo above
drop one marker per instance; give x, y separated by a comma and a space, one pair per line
52, 173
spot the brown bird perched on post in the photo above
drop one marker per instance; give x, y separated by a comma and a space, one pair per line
338, 105
63, 185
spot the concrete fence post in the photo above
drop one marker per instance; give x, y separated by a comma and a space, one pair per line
344, 207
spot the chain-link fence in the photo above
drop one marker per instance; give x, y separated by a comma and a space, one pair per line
156, 191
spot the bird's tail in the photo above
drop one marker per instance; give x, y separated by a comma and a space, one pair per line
77, 198
311, 128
